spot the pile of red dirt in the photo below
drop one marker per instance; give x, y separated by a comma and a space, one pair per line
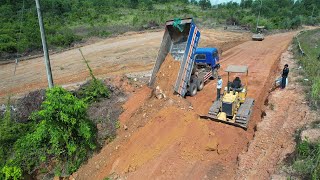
167, 75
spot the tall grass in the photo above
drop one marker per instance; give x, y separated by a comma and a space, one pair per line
310, 43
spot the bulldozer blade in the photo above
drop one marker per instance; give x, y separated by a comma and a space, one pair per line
215, 118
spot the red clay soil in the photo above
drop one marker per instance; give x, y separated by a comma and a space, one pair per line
166, 139
274, 139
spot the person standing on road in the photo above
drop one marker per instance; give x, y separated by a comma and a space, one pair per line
285, 73
219, 86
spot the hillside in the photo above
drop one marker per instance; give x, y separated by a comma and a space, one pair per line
70, 22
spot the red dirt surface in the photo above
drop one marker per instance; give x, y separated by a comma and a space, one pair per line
166, 139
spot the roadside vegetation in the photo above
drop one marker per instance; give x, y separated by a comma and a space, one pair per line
306, 160
309, 59
68, 22
56, 139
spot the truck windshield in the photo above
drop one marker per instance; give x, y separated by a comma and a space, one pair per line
200, 57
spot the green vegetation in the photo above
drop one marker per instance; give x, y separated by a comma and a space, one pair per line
9, 133
94, 89
67, 22
307, 162
59, 135
310, 62
62, 135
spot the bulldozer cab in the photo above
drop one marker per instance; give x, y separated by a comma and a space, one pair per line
260, 29
240, 83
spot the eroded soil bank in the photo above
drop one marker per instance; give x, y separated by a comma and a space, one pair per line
286, 111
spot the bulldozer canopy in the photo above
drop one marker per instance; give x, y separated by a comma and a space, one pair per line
237, 69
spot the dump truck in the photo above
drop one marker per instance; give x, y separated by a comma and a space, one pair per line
181, 38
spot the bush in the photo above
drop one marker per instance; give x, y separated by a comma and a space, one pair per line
7, 43
63, 136
10, 132
63, 38
307, 163
93, 91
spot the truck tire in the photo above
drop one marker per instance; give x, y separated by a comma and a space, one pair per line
200, 84
193, 89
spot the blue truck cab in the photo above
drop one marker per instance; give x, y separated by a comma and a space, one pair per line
208, 56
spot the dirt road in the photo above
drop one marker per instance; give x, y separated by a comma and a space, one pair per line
129, 53
286, 111
166, 139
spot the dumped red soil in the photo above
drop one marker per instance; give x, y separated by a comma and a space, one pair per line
167, 75
166, 139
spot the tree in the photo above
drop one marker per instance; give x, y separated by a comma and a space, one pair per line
204, 4
246, 3
134, 3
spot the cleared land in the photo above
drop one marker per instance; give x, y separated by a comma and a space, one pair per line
166, 139
133, 52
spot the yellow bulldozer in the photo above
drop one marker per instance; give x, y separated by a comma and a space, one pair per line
234, 107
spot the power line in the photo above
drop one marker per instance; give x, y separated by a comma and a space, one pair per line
19, 37
259, 14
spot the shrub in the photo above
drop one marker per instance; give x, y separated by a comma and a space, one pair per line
307, 163
93, 91
10, 132
62, 137
7, 44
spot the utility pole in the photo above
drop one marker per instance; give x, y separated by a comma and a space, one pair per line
259, 15
44, 45
312, 14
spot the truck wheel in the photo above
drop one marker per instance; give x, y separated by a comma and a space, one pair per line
193, 89
200, 84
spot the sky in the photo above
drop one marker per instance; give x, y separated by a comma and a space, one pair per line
213, 2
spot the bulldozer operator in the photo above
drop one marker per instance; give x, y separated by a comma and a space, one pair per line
236, 85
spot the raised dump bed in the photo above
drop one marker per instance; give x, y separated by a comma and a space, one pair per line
180, 39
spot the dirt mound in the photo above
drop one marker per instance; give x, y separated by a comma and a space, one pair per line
105, 113
167, 75
28, 104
